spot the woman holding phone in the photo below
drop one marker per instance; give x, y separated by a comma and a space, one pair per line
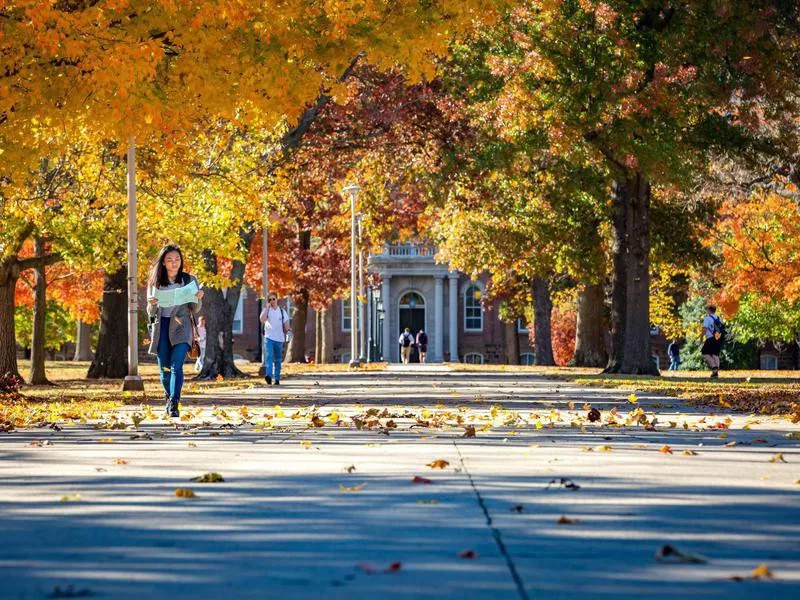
171, 326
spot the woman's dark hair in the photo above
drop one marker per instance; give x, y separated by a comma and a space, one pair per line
158, 274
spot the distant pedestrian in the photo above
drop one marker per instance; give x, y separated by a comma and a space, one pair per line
171, 327
276, 326
422, 345
674, 352
714, 333
406, 341
201, 339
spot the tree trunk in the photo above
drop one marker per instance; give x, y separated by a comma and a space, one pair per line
9, 273
38, 375
630, 311
111, 358
590, 349
542, 311
297, 346
327, 336
219, 309
317, 335
511, 342
83, 345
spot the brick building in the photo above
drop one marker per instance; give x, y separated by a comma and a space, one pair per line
415, 292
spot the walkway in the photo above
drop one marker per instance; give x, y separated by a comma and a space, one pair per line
538, 503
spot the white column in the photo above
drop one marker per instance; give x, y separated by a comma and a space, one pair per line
453, 308
132, 382
389, 339
438, 319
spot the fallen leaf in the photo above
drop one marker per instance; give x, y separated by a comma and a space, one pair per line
438, 464
762, 571
418, 479
777, 458
192, 445
669, 553
317, 422
428, 501
518, 508
567, 521
185, 493
563, 482
395, 566
760, 441
633, 399
71, 498
729, 445
306, 444
604, 449
468, 554
121, 461
594, 415
352, 488
469, 431
665, 449
208, 478
689, 453
350, 469
106, 441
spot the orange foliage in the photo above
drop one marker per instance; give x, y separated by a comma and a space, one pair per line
562, 326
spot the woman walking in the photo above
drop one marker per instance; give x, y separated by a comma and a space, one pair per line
172, 327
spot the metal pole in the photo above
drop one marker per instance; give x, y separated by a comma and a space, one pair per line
353, 294
361, 303
369, 324
265, 291
132, 382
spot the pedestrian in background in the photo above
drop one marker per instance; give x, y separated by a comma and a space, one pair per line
276, 326
406, 341
714, 332
422, 345
201, 340
674, 352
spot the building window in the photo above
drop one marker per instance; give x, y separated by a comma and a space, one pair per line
769, 362
238, 316
346, 320
526, 358
473, 313
522, 326
473, 358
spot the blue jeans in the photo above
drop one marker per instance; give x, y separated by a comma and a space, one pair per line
170, 363
673, 363
274, 352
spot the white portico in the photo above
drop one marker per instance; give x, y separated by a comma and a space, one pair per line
412, 295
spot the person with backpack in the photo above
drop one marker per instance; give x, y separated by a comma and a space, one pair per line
714, 332
276, 326
674, 353
422, 345
406, 341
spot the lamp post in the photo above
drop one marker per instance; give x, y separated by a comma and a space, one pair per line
132, 383
264, 291
361, 296
352, 190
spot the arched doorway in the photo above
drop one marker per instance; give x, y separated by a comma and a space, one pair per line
412, 315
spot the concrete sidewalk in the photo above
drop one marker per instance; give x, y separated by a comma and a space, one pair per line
310, 511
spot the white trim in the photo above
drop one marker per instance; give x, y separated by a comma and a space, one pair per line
238, 315
770, 364
345, 307
522, 328
523, 362
472, 362
472, 317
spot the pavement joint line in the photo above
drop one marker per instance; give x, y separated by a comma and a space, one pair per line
498, 538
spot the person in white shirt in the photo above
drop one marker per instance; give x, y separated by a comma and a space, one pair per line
713, 340
276, 326
406, 341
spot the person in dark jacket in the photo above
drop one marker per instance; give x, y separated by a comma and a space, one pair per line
674, 352
422, 345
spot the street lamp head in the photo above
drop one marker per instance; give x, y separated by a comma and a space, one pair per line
352, 189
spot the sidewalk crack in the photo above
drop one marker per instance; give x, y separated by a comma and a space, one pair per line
498, 538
